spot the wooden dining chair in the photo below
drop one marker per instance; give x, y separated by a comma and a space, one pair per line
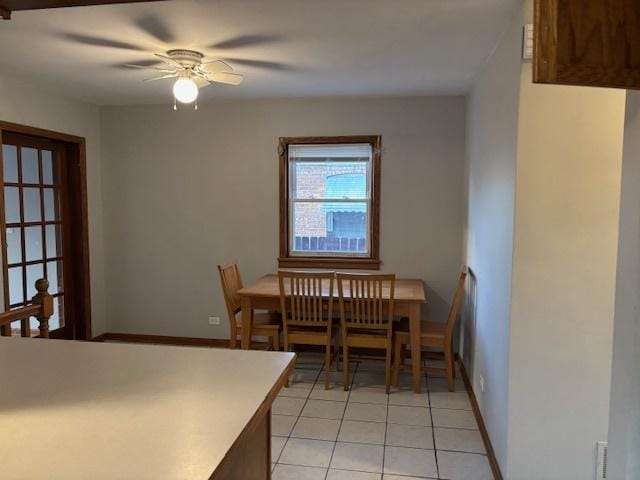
434, 335
306, 300
264, 324
366, 316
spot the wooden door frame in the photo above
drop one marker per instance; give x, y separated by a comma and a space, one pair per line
77, 183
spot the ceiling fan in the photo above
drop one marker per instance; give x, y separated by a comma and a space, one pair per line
190, 68
192, 73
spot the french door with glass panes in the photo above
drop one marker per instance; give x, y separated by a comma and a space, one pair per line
36, 226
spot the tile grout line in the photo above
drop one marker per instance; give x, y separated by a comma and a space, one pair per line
379, 403
463, 429
355, 471
384, 442
380, 445
433, 427
298, 417
346, 403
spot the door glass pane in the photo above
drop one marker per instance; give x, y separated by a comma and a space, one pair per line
10, 163
57, 319
11, 204
49, 168
54, 275
34, 272
33, 243
31, 198
54, 247
51, 206
14, 245
54, 321
33, 325
37, 199
16, 294
15, 328
30, 172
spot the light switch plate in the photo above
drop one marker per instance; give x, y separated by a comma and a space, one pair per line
527, 42
601, 465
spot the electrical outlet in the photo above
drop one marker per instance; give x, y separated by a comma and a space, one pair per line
214, 320
482, 384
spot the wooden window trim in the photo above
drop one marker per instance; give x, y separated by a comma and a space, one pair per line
285, 260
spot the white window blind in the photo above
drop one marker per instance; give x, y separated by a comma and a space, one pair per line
354, 151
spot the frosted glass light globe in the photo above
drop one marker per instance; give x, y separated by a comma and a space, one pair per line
185, 90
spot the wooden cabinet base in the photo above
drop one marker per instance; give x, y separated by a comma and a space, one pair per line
250, 456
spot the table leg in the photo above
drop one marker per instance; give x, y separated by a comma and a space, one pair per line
414, 333
247, 322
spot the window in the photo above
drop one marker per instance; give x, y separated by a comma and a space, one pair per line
330, 202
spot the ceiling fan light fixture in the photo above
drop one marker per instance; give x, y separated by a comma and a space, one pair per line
191, 73
185, 90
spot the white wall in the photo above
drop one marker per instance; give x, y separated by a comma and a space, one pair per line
492, 115
624, 424
187, 190
27, 103
565, 247
539, 325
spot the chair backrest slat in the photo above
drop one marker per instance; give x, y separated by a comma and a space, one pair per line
366, 301
306, 298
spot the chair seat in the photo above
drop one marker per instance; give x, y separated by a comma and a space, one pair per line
367, 339
264, 321
296, 329
368, 334
428, 331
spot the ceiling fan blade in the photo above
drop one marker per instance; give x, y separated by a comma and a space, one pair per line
263, 64
200, 82
143, 63
216, 66
156, 27
245, 41
100, 42
169, 60
157, 69
226, 77
168, 75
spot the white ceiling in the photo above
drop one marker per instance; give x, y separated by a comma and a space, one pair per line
312, 47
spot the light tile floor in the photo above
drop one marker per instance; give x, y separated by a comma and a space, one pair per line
365, 434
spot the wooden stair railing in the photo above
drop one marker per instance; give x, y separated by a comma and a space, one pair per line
41, 308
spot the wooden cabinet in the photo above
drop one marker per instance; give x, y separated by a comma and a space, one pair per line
587, 42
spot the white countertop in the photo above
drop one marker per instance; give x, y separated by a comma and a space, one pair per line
94, 411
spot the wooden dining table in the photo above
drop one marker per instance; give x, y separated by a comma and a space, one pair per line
409, 297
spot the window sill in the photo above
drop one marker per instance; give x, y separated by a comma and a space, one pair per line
329, 262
